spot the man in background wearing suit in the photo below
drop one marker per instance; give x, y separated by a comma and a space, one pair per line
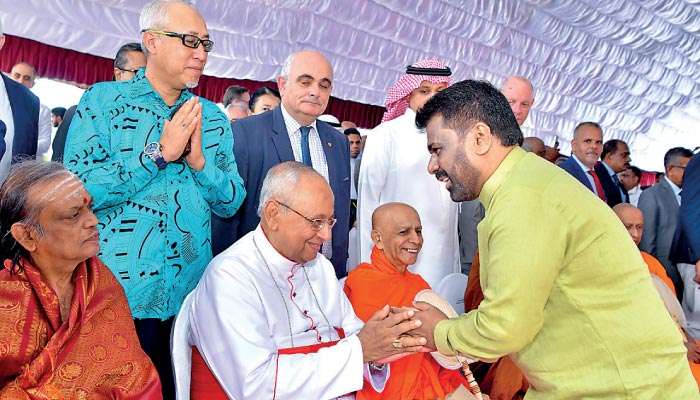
19, 121
586, 147
292, 132
615, 158
660, 204
686, 243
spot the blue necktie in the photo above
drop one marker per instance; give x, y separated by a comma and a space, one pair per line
3, 146
305, 150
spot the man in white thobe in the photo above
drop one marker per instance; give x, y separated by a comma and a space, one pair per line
394, 169
269, 317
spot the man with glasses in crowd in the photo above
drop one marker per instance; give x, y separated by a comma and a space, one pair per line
157, 161
127, 62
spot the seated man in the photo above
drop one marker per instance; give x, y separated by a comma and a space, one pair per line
65, 327
269, 318
633, 219
397, 236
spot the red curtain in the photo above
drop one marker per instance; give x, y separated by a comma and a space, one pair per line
85, 69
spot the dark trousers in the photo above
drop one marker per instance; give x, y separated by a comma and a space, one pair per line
154, 336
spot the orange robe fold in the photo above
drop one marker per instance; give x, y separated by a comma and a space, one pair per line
94, 354
418, 376
656, 268
503, 380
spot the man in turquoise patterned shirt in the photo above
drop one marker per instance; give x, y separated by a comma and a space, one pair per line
157, 161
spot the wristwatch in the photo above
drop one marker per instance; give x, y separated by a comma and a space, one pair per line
154, 151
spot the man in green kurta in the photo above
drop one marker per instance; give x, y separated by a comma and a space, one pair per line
566, 293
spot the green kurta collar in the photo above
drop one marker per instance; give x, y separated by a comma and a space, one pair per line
499, 176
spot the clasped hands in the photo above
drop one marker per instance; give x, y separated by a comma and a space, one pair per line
393, 332
184, 127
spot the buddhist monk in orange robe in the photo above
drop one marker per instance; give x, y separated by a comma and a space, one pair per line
633, 219
397, 237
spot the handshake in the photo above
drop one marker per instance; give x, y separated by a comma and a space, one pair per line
395, 332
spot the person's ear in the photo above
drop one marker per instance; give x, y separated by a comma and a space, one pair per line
377, 239
272, 213
481, 139
24, 235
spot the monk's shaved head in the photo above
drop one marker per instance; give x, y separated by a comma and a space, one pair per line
397, 232
389, 211
632, 218
534, 145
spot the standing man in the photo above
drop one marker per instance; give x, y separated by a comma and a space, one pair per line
520, 95
393, 170
152, 192
291, 132
686, 243
630, 178
586, 147
127, 62
615, 158
19, 121
660, 204
25, 74
566, 293
355, 141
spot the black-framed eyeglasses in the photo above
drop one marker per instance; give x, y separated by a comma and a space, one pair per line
316, 223
188, 40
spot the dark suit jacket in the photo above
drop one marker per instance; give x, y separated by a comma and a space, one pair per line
25, 116
260, 143
686, 241
59, 141
612, 191
572, 167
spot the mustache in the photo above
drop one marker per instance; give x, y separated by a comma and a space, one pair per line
440, 174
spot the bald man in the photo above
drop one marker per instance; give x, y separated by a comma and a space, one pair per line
397, 234
292, 132
633, 219
586, 148
534, 145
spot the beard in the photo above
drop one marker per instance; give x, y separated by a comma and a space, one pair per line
463, 180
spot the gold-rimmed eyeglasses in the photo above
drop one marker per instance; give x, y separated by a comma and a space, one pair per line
316, 223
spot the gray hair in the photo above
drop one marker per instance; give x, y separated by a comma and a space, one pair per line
281, 180
287, 65
521, 79
15, 206
154, 15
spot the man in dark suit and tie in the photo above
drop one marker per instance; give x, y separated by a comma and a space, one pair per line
586, 147
292, 132
660, 204
615, 158
19, 121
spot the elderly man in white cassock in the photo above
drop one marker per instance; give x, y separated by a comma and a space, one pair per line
269, 318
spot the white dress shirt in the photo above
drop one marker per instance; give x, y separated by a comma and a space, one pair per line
6, 117
318, 157
394, 168
676, 189
634, 194
585, 171
252, 301
44, 130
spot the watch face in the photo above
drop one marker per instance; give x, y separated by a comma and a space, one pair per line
152, 148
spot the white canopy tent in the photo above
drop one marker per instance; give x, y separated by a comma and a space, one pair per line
631, 65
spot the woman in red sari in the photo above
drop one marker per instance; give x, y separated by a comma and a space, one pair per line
397, 241
65, 327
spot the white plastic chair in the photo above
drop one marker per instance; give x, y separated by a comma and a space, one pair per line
181, 350
452, 288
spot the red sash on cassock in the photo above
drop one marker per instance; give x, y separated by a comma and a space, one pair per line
205, 386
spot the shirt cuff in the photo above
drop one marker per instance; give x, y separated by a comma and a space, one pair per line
442, 343
377, 377
208, 176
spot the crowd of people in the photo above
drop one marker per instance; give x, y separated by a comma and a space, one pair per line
161, 207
